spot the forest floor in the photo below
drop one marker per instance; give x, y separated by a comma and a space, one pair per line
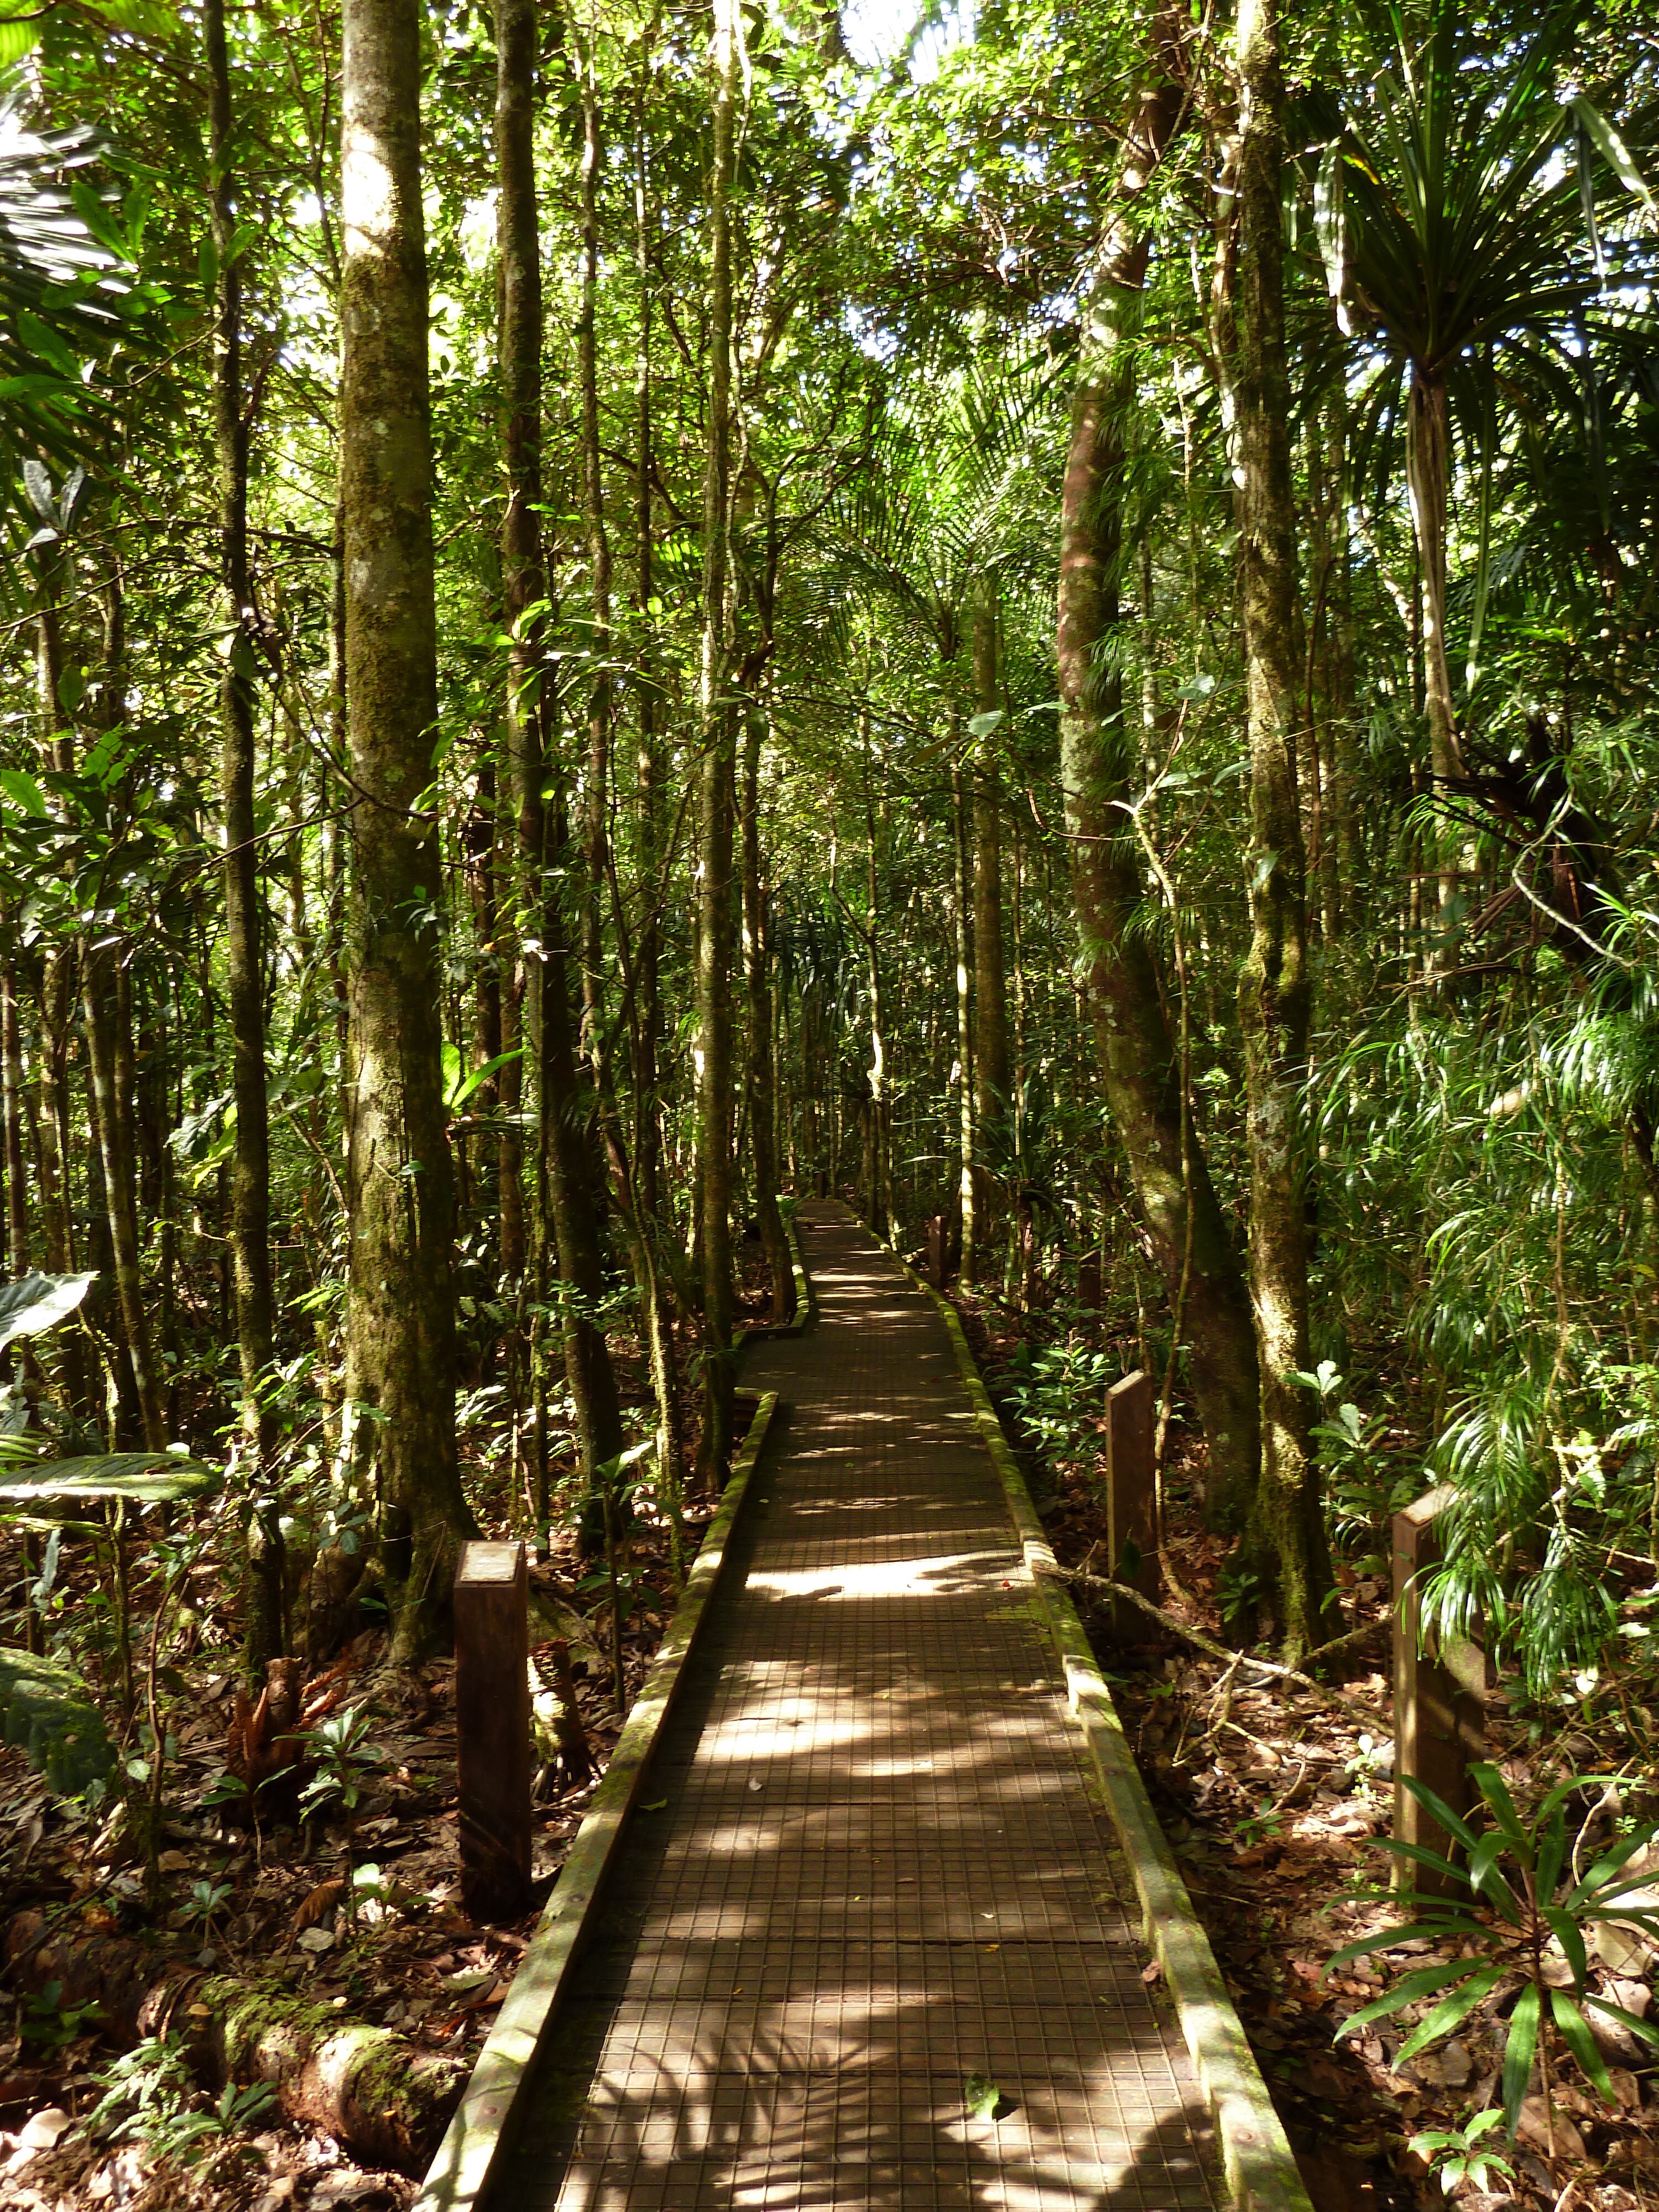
1273, 1802
1270, 1799
273, 1905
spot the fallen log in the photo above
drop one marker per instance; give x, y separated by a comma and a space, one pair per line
381, 2100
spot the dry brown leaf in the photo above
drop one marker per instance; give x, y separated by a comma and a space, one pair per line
321, 1900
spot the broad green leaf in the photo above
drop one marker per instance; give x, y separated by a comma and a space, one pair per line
23, 792
1454, 1923
1494, 1788
456, 1096
1451, 2011
39, 337
46, 1709
1422, 1983
1614, 151
1600, 1883
17, 39
1642, 2028
140, 1478
1518, 2055
1454, 1823
1575, 2034
1571, 1937
37, 1302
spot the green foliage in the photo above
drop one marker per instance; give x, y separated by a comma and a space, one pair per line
340, 1748
1460, 2154
1513, 1904
46, 1709
46, 2021
150, 2095
1059, 1392
39, 1301
129, 1478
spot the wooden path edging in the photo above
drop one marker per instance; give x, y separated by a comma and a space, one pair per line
1255, 2153
806, 1312
480, 2136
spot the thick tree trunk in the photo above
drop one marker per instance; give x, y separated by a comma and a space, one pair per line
1099, 768
400, 1310
250, 1177
714, 956
1286, 1537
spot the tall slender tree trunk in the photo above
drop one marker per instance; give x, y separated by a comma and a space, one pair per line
759, 1069
1286, 1535
597, 796
563, 1217
648, 773
401, 1307
718, 733
106, 1007
250, 1177
1139, 1068
57, 996
880, 1176
1428, 473
961, 919
18, 1258
991, 1059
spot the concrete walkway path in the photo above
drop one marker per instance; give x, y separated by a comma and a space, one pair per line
873, 1869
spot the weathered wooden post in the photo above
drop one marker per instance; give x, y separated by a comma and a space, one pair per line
936, 1250
821, 1183
492, 1729
1439, 1708
1130, 1497
1089, 1282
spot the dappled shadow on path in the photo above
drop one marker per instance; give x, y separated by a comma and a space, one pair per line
872, 1872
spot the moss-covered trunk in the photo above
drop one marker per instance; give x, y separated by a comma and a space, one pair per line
1100, 771
378, 2097
400, 1311
1285, 1538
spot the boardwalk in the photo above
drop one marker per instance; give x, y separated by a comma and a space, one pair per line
873, 1869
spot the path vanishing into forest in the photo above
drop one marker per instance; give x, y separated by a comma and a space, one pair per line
874, 1869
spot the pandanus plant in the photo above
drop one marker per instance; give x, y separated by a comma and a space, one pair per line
1456, 208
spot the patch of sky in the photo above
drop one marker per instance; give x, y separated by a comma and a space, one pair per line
881, 32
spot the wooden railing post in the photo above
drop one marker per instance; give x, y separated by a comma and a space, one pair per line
1439, 1708
936, 1250
1131, 1498
492, 1729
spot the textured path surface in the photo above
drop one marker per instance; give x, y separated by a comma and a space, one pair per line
875, 1868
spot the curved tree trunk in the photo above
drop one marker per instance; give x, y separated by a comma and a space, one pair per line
1098, 769
400, 1308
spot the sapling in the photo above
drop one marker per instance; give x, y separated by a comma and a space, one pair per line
1513, 1907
